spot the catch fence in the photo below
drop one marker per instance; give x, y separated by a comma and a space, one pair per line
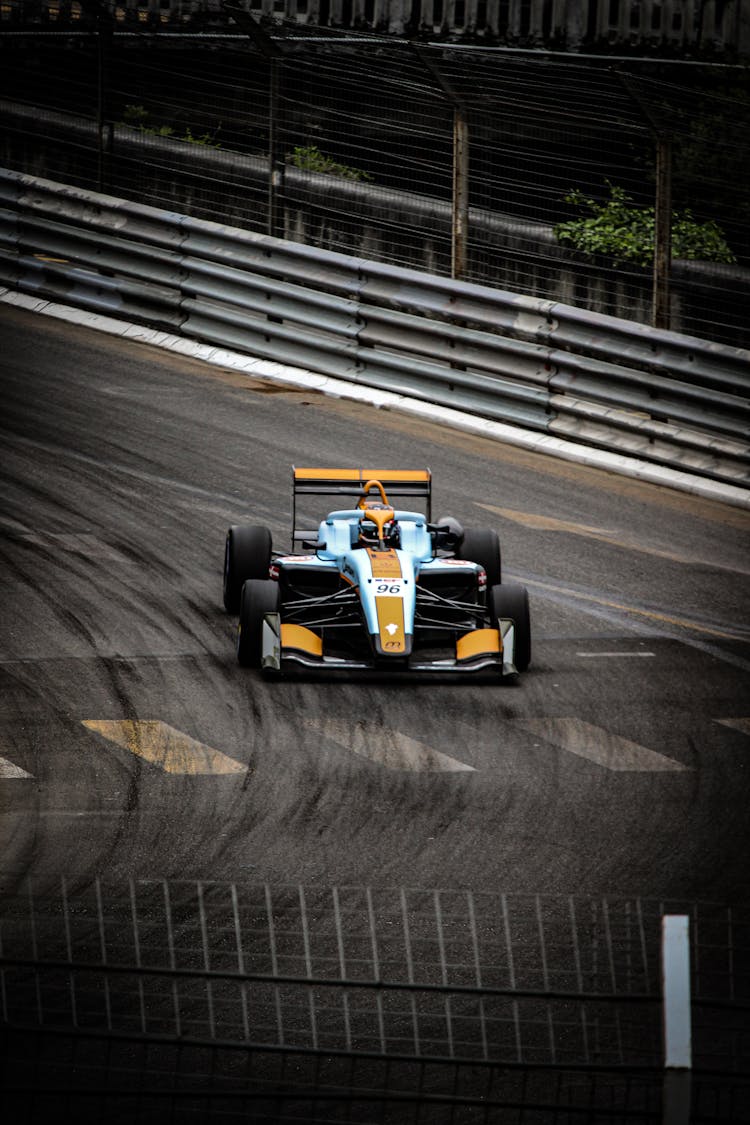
209, 1001
447, 159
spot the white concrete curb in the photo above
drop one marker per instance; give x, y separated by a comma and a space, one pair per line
339, 388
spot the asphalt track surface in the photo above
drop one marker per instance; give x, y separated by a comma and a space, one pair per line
619, 764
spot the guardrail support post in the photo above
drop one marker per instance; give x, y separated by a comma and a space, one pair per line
675, 962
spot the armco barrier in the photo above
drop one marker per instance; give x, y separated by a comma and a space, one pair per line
666, 398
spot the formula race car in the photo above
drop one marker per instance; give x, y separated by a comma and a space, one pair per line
374, 588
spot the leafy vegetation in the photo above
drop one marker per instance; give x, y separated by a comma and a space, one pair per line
310, 159
138, 117
625, 232
709, 124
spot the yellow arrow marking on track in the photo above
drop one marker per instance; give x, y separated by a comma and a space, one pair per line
652, 615
549, 523
164, 746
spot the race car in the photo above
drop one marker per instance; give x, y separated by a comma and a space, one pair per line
374, 588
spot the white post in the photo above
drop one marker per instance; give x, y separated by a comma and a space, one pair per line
675, 961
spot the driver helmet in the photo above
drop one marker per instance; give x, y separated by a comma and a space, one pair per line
368, 532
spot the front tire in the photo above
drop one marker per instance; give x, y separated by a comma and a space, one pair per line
258, 598
482, 545
247, 554
511, 600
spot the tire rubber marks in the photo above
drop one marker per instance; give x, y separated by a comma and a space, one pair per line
164, 746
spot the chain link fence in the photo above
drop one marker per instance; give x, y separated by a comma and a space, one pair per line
207, 1001
402, 153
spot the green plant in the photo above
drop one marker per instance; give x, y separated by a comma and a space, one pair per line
204, 139
626, 232
135, 115
138, 117
310, 159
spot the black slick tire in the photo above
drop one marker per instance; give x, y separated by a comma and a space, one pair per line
482, 545
247, 554
511, 600
258, 598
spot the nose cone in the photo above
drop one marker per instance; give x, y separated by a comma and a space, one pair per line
392, 589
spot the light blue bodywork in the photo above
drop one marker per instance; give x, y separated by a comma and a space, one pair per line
339, 535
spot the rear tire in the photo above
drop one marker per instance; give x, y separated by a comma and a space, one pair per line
247, 554
511, 600
258, 598
482, 545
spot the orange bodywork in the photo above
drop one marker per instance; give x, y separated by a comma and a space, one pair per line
391, 624
385, 564
297, 636
478, 643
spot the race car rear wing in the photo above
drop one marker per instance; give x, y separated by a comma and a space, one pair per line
413, 483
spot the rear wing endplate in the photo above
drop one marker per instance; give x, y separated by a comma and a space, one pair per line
414, 483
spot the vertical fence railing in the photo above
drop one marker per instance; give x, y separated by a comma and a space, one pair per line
349, 986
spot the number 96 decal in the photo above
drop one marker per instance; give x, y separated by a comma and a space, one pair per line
390, 588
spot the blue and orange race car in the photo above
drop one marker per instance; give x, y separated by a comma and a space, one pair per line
373, 587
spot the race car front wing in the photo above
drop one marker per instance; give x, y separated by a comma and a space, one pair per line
289, 645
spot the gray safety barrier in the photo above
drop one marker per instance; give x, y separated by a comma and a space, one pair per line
663, 397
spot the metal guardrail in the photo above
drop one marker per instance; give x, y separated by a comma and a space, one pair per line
674, 400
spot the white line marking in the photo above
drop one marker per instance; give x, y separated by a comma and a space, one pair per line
742, 725
389, 748
9, 770
601, 746
615, 654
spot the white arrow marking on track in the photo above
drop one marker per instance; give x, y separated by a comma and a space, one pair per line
742, 725
389, 748
600, 746
9, 770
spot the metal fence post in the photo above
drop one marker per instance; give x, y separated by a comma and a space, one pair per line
675, 962
662, 232
276, 163
102, 22
460, 179
460, 222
